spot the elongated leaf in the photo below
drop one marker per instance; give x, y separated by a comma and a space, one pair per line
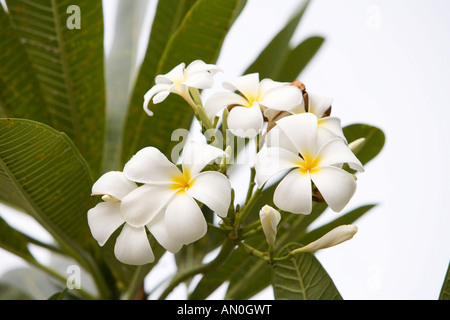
19, 89
14, 241
302, 278
195, 38
42, 172
298, 58
445, 291
270, 61
120, 73
68, 65
374, 143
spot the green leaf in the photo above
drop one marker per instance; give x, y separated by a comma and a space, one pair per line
445, 291
120, 67
374, 143
195, 38
270, 61
58, 295
302, 277
42, 172
14, 241
298, 58
19, 89
68, 66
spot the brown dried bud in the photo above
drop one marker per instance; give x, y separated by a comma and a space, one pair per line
301, 86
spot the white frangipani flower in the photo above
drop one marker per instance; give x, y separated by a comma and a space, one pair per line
169, 194
269, 221
309, 160
132, 245
245, 118
197, 74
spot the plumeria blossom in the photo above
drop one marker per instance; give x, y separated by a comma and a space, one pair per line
169, 194
309, 160
246, 118
132, 245
328, 126
197, 74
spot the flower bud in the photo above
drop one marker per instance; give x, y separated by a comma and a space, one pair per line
357, 145
269, 221
330, 239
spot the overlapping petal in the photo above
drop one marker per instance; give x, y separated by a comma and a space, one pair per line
132, 246
220, 100
149, 165
271, 161
214, 190
113, 183
158, 229
301, 130
336, 152
245, 122
293, 193
143, 204
184, 219
336, 186
103, 220
197, 155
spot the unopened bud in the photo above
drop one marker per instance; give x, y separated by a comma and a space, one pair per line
269, 221
330, 239
357, 145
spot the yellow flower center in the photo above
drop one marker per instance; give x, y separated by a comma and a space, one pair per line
251, 100
182, 181
308, 164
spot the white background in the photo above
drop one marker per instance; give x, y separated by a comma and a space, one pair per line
386, 63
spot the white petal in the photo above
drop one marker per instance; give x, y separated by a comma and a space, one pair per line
333, 125
277, 138
149, 165
285, 97
271, 161
336, 152
319, 104
220, 100
336, 186
157, 228
199, 65
143, 204
156, 89
197, 155
214, 190
132, 246
174, 75
103, 220
113, 183
245, 122
293, 193
301, 129
247, 85
200, 80
161, 96
184, 220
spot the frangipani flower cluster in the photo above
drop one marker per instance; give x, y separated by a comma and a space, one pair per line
164, 203
299, 142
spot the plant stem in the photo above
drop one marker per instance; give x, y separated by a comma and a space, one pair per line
225, 251
136, 282
248, 207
